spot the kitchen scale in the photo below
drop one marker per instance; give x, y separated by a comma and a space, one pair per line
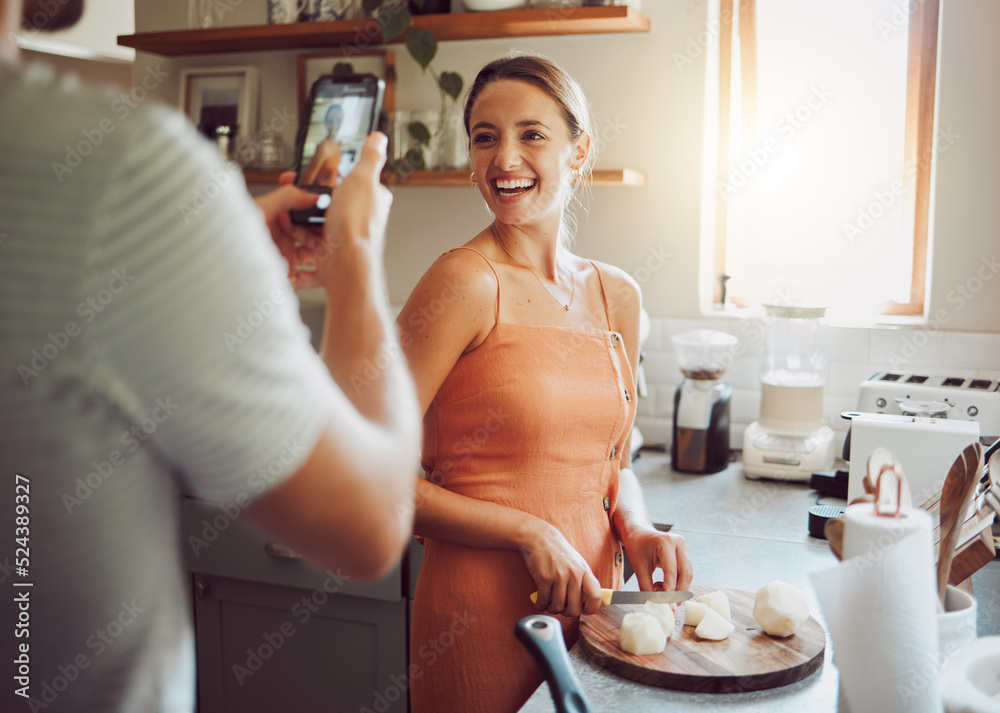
790, 441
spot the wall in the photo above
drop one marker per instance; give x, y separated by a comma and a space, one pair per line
97, 30
652, 116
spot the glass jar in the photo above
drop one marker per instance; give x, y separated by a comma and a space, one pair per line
454, 148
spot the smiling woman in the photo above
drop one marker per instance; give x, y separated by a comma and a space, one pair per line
527, 385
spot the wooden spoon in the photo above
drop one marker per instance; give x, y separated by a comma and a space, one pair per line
956, 495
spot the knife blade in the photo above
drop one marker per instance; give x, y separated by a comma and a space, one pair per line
643, 597
610, 596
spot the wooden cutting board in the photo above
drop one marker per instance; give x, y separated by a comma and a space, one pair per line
748, 660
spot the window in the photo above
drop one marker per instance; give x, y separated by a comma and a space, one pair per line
825, 140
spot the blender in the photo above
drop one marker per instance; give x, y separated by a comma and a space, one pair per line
790, 441
701, 403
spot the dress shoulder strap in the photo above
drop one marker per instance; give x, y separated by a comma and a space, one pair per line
604, 295
496, 308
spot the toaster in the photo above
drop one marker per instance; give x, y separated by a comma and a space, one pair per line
969, 399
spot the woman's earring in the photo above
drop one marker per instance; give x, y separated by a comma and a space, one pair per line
576, 174
472, 177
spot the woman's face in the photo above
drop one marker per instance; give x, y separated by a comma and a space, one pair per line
334, 118
521, 152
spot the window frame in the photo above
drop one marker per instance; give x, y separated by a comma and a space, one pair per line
922, 50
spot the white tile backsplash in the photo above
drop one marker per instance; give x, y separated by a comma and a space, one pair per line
853, 354
665, 400
660, 367
844, 378
900, 349
972, 351
847, 344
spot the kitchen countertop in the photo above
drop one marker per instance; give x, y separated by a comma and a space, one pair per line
742, 534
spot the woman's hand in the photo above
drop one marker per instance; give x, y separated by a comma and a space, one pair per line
562, 577
649, 550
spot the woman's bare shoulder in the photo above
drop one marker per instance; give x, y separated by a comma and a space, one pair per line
622, 289
464, 273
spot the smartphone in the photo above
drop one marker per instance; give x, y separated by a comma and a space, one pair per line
338, 115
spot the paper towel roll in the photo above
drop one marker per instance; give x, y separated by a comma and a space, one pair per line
881, 607
869, 535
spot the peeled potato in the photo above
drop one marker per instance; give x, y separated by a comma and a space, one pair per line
780, 608
717, 601
714, 626
642, 634
694, 612
664, 614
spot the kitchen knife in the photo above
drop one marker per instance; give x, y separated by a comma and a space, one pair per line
610, 596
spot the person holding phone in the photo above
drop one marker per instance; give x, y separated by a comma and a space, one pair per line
527, 383
151, 347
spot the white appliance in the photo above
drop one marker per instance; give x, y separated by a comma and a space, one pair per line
924, 447
971, 399
790, 441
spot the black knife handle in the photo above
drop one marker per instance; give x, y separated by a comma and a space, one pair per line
542, 637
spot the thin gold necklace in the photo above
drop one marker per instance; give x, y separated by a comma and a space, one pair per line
529, 269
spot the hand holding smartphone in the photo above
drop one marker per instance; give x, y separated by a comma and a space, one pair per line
338, 116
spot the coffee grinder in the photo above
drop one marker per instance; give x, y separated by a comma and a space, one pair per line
701, 403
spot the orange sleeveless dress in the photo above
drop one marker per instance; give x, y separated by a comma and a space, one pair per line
535, 418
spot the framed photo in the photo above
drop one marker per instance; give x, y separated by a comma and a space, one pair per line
381, 63
221, 101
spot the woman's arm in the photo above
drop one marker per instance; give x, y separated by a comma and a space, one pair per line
648, 549
323, 166
433, 340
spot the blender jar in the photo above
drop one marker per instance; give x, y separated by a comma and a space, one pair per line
792, 368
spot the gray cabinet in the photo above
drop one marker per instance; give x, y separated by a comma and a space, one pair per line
275, 634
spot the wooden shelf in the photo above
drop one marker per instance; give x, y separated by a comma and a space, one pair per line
453, 26
460, 179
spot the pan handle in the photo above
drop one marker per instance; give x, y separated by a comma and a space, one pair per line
542, 637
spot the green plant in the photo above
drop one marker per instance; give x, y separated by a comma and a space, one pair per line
394, 18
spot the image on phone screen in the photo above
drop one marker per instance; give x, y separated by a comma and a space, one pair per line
339, 122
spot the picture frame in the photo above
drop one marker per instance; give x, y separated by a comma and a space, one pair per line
215, 96
381, 63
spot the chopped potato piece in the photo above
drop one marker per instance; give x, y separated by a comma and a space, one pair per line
694, 612
717, 601
714, 627
664, 614
642, 634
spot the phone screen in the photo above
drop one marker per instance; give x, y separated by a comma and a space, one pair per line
341, 115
